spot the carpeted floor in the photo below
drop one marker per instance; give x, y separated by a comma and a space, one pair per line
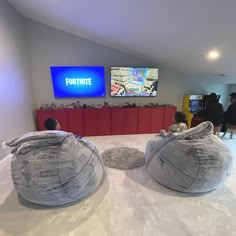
128, 203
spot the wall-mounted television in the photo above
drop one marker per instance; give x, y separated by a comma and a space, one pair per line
134, 82
78, 81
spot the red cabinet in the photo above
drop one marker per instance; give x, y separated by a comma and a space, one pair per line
157, 115
118, 121
131, 120
75, 117
110, 121
124, 120
90, 121
97, 121
61, 115
144, 120
41, 116
103, 121
168, 118
150, 120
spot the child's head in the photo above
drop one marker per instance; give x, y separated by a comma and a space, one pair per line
180, 117
52, 124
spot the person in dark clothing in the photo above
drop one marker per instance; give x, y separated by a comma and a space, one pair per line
230, 115
214, 111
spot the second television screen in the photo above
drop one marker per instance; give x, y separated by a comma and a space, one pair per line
136, 82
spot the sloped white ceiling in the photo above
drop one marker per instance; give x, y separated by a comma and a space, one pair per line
171, 33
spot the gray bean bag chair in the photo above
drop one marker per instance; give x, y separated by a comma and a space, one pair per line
54, 167
192, 161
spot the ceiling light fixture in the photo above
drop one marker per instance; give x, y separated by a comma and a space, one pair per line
213, 55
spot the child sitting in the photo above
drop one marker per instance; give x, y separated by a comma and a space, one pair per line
179, 126
51, 124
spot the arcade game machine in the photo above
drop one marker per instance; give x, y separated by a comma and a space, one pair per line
193, 104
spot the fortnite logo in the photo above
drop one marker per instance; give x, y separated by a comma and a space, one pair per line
78, 81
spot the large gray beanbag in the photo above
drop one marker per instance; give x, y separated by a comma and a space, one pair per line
54, 167
192, 161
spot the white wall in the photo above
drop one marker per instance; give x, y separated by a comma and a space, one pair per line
15, 93
232, 88
173, 88
49, 46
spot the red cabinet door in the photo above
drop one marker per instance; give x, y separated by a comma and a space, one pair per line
118, 121
157, 115
104, 121
90, 121
144, 120
75, 117
168, 119
61, 115
41, 116
110, 121
131, 120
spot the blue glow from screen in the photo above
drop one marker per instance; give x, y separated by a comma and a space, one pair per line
78, 81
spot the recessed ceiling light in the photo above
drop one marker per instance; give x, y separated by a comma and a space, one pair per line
213, 55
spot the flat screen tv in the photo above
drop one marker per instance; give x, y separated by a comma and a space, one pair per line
134, 82
78, 81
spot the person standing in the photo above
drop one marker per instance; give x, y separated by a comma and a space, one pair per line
214, 111
230, 115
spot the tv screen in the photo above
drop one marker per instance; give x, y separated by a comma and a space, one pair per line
195, 106
78, 81
136, 82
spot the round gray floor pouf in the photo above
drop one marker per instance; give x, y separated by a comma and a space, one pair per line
123, 158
